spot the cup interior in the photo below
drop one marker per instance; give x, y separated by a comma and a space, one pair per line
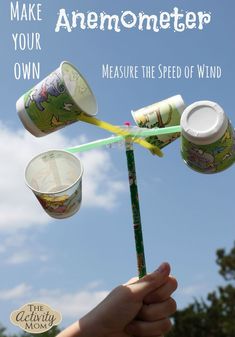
53, 172
79, 89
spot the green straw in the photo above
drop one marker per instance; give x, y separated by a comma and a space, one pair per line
95, 144
115, 139
139, 244
155, 132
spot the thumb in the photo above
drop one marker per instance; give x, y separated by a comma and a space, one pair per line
151, 281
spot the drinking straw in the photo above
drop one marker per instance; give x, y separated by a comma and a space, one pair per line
139, 244
117, 130
133, 132
95, 144
143, 132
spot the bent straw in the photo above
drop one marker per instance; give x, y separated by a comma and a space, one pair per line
115, 139
139, 244
117, 130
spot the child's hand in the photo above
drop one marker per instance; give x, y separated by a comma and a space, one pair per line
140, 308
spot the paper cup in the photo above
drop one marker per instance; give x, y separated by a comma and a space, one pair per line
55, 177
56, 101
208, 138
159, 115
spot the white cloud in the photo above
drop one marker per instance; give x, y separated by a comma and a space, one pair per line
17, 292
18, 207
17, 249
74, 304
71, 304
24, 257
186, 294
100, 186
12, 243
43, 258
93, 285
2, 249
193, 290
19, 258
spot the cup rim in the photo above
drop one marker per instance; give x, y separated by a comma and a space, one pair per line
60, 191
85, 81
27, 122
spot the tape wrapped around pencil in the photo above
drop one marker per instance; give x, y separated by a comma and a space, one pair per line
62, 98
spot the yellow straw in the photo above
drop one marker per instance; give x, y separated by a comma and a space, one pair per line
115, 129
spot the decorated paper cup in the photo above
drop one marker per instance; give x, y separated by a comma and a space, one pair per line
159, 115
208, 138
56, 101
55, 177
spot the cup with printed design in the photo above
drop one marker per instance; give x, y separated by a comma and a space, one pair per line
159, 115
57, 101
208, 138
55, 178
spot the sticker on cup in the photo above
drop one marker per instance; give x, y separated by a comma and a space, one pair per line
208, 138
56, 101
159, 115
55, 177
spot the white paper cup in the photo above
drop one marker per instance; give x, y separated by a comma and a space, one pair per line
159, 115
56, 101
55, 177
208, 138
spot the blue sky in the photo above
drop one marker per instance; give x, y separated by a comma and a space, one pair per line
72, 264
